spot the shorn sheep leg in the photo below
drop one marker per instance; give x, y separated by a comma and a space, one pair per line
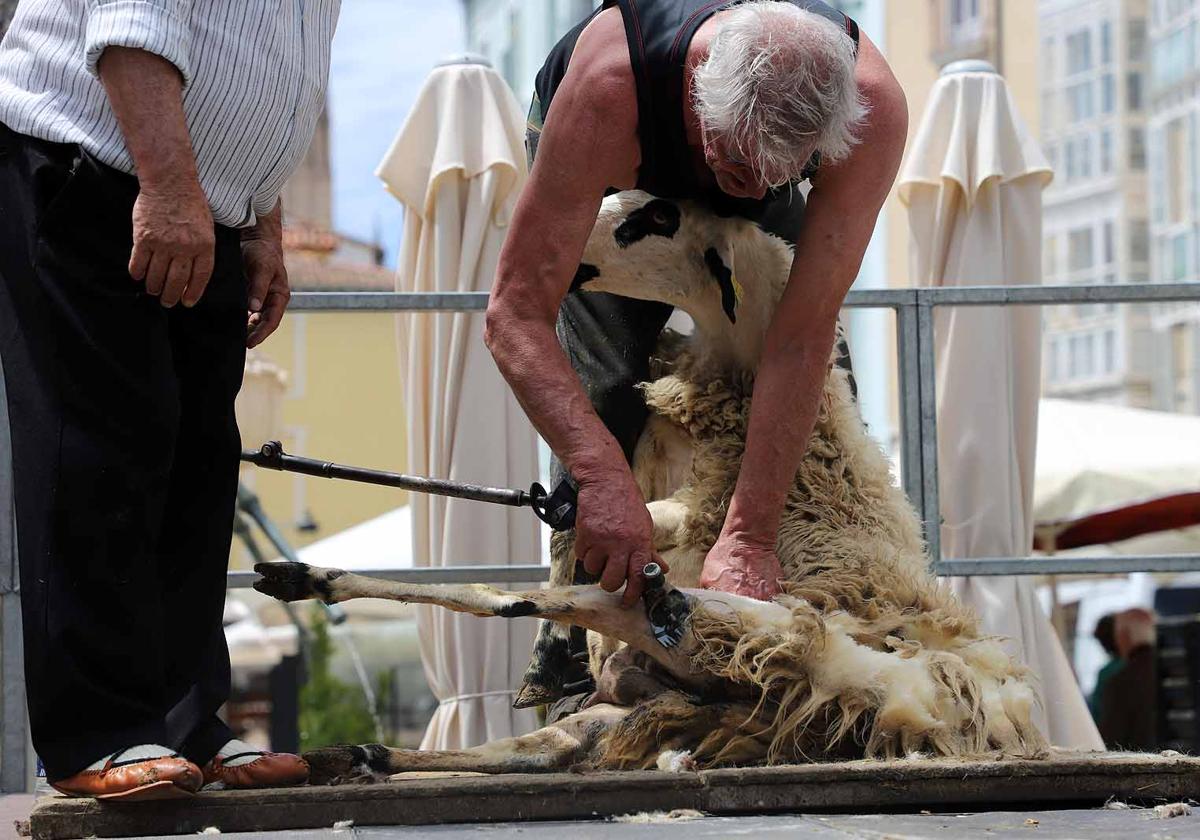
585, 606
556, 747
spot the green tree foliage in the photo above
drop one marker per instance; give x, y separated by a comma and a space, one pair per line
331, 712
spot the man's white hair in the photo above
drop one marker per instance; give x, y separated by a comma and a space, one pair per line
777, 80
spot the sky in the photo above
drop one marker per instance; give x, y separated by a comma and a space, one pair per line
382, 53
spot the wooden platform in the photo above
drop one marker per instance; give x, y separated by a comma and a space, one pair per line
856, 787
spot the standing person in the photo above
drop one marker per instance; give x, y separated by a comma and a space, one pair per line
1129, 698
730, 104
1106, 636
143, 148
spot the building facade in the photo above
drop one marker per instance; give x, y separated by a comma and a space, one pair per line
516, 35
1093, 57
1174, 189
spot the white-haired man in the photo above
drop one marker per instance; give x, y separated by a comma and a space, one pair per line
727, 103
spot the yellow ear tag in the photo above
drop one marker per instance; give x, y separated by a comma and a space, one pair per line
737, 288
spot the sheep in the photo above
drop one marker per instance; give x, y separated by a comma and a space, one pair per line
863, 654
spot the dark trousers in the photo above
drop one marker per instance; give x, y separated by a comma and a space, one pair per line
125, 459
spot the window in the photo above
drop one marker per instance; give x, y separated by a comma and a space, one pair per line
1105, 43
1176, 171
1085, 157
1179, 256
1080, 256
1073, 356
1087, 360
1079, 52
1071, 161
1136, 33
1106, 152
1108, 93
1110, 237
1168, 10
1139, 241
965, 21
1052, 371
1133, 91
1110, 351
1137, 149
1080, 102
1174, 56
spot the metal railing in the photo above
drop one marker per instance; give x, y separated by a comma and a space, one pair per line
915, 350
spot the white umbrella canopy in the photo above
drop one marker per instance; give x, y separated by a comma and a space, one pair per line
1093, 457
972, 184
457, 166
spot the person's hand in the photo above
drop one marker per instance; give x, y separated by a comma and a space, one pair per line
613, 532
266, 277
742, 566
174, 241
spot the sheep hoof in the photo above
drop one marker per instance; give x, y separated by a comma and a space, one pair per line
346, 764
289, 581
531, 695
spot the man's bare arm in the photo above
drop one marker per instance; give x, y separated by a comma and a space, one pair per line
837, 227
173, 237
585, 146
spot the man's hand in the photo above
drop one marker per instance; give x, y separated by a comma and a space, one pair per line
173, 236
173, 240
613, 532
742, 566
266, 277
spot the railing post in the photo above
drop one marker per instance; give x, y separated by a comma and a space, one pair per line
926, 353
908, 367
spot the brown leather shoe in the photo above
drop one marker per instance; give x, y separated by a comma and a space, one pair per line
268, 770
168, 777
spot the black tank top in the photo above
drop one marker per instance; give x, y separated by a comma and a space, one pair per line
659, 33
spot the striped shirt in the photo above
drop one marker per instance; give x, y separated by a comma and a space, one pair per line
254, 74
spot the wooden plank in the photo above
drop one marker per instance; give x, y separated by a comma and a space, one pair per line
861, 786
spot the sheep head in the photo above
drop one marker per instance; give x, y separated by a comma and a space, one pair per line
726, 273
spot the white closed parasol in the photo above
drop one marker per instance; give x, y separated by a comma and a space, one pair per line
457, 166
973, 185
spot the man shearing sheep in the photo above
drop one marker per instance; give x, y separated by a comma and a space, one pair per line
730, 104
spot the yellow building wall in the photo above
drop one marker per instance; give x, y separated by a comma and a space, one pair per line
1021, 61
343, 403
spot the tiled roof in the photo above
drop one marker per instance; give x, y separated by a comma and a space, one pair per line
308, 254
309, 272
305, 237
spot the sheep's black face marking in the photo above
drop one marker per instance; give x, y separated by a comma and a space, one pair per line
583, 274
724, 278
655, 218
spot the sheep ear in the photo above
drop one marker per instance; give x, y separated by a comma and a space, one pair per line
731, 290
